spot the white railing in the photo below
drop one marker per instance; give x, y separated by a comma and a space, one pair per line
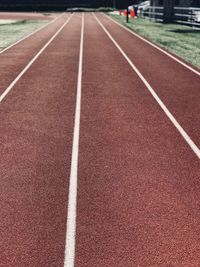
182, 15
187, 15
154, 13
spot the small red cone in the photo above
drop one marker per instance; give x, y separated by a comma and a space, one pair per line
132, 13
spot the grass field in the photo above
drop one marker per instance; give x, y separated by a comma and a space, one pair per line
182, 41
12, 31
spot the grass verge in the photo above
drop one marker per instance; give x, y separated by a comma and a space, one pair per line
12, 32
180, 40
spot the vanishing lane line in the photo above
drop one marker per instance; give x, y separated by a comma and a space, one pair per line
186, 137
155, 46
29, 35
32, 61
72, 198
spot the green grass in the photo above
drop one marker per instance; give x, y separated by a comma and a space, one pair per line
12, 32
183, 41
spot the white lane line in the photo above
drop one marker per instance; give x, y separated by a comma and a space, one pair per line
29, 35
155, 46
32, 61
72, 199
153, 93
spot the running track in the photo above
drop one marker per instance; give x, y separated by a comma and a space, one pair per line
93, 171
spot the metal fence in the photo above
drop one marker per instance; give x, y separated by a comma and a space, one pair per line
188, 16
183, 15
154, 13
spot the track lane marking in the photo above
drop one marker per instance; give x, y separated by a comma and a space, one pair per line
72, 198
29, 35
3, 95
155, 46
186, 137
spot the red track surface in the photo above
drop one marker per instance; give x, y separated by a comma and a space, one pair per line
32, 16
36, 132
13, 61
138, 180
171, 80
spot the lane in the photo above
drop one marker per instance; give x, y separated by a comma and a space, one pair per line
138, 187
72, 199
183, 133
27, 36
10, 87
13, 60
36, 128
27, 15
181, 61
177, 86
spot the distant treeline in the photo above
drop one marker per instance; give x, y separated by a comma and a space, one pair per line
58, 5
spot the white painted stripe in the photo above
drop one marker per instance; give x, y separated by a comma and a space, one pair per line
153, 93
72, 199
32, 61
29, 35
155, 46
